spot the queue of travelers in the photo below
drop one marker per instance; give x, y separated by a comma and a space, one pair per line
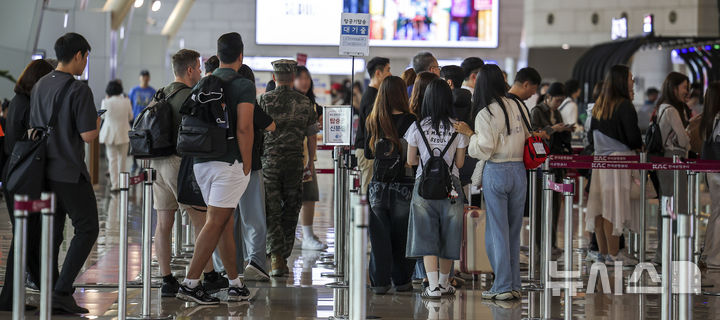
423, 140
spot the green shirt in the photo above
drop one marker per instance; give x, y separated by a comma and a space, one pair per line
239, 91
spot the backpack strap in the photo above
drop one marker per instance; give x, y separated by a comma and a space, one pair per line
562, 106
447, 146
422, 134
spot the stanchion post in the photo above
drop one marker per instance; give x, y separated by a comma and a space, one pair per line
20, 238
359, 258
642, 238
46, 280
696, 218
122, 270
685, 249
147, 238
187, 232
580, 190
532, 211
568, 195
667, 246
546, 229
177, 236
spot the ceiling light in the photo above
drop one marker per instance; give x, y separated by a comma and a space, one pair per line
155, 5
139, 3
565, 46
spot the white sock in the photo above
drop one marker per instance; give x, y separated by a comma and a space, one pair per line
432, 279
191, 283
443, 280
307, 232
236, 282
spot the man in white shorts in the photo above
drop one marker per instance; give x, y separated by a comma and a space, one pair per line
223, 179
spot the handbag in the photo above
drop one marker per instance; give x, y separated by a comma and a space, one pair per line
188, 190
536, 150
25, 170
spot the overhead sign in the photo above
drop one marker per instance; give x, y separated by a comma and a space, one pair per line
337, 125
619, 28
301, 59
355, 34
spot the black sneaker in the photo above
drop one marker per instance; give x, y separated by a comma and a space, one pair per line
170, 288
197, 295
214, 282
238, 293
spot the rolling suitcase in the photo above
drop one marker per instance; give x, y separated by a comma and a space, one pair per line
473, 256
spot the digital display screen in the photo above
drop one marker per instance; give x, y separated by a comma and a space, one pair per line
394, 23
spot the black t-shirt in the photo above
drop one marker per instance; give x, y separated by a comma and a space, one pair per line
366, 104
76, 115
260, 121
17, 121
401, 122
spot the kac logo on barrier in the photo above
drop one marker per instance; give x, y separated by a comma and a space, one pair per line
571, 282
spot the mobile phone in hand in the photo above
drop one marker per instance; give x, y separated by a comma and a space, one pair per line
101, 112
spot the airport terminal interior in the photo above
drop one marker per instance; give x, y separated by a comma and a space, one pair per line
598, 197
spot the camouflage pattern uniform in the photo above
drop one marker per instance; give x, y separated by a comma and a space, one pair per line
282, 160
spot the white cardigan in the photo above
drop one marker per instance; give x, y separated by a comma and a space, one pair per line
116, 120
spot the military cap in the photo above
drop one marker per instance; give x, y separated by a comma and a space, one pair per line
284, 66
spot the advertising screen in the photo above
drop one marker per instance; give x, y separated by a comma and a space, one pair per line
394, 23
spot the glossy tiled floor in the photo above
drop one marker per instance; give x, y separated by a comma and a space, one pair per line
303, 294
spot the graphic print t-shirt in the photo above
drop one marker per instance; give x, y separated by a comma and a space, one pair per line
140, 98
437, 141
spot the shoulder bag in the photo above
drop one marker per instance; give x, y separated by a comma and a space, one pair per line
25, 170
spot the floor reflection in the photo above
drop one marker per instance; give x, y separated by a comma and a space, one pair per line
303, 294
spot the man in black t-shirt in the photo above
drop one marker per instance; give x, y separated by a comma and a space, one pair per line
66, 173
379, 69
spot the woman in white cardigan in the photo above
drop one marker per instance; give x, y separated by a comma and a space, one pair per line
114, 130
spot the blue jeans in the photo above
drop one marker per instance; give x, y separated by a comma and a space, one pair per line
250, 229
388, 229
505, 190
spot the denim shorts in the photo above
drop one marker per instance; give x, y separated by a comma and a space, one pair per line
435, 226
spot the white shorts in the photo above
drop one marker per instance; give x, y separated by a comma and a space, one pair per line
222, 184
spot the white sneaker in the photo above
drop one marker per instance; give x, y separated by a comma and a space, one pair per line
450, 290
434, 293
625, 258
313, 244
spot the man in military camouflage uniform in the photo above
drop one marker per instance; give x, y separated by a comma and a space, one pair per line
282, 161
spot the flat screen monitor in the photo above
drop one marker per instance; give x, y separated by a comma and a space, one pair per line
394, 23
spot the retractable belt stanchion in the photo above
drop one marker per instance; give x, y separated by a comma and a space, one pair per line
147, 207
122, 270
643, 210
696, 218
359, 257
532, 211
188, 233
546, 243
20, 238
338, 211
580, 190
667, 246
685, 243
177, 236
24, 206
568, 194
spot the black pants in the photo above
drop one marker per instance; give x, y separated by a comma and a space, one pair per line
76, 201
388, 229
32, 254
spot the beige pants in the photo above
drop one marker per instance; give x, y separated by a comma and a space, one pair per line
117, 162
366, 169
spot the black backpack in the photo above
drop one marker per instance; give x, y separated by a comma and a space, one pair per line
654, 143
152, 132
205, 127
436, 178
389, 165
